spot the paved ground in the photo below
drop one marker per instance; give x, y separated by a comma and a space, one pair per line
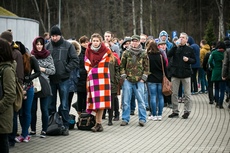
207, 130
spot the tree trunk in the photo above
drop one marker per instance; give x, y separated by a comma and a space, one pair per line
221, 19
36, 5
134, 21
151, 17
141, 17
48, 9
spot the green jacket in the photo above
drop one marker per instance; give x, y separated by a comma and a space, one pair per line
134, 65
216, 61
6, 103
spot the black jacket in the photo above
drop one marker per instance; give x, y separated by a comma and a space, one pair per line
81, 85
179, 67
65, 59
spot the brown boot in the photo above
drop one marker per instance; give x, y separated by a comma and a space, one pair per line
97, 128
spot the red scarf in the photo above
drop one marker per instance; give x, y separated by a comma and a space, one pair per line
40, 54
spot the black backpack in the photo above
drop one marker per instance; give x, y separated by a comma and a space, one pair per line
55, 125
86, 121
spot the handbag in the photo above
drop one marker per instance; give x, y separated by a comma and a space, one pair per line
166, 84
45, 88
37, 85
85, 121
55, 125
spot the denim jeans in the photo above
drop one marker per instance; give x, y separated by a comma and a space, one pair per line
25, 112
138, 89
187, 93
146, 96
203, 81
133, 101
44, 112
156, 93
219, 92
63, 109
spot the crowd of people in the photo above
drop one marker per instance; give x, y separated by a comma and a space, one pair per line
97, 69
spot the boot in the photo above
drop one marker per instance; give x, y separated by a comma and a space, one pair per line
110, 122
97, 128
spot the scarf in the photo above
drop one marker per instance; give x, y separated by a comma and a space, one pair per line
135, 52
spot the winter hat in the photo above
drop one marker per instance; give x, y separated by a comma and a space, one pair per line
163, 33
55, 30
7, 36
22, 48
161, 42
135, 37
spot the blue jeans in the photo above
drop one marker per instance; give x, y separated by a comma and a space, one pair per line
45, 114
63, 109
146, 97
25, 112
156, 93
133, 102
219, 92
203, 81
138, 89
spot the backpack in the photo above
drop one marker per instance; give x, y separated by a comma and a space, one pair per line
55, 125
86, 121
19, 91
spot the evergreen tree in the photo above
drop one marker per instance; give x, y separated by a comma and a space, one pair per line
209, 34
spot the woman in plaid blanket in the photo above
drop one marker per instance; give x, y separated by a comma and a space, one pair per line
97, 58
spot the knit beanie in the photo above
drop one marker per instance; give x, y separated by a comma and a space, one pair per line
7, 36
55, 31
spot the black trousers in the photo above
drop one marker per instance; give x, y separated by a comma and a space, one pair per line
4, 144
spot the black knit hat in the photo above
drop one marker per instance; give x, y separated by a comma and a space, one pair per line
55, 30
7, 36
22, 48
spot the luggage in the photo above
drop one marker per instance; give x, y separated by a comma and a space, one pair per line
85, 121
55, 125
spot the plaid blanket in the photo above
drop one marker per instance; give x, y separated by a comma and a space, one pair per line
98, 84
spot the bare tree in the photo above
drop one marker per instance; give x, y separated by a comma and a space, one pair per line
151, 17
37, 8
221, 18
141, 16
48, 9
134, 20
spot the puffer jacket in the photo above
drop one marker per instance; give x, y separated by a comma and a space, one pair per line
179, 67
226, 65
6, 103
203, 51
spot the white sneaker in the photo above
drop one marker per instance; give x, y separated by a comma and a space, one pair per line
155, 118
150, 117
159, 118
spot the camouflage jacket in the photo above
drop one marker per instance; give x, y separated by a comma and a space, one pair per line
134, 65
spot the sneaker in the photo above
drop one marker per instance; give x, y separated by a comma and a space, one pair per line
159, 118
141, 123
211, 102
185, 115
155, 118
65, 132
169, 105
132, 113
150, 117
43, 134
123, 123
27, 139
173, 115
32, 133
221, 107
179, 99
19, 139
116, 119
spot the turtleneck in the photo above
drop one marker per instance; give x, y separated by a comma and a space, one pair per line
58, 43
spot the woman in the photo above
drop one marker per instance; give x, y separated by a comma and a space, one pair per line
216, 61
80, 105
47, 68
154, 80
97, 58
30, 63
9, 90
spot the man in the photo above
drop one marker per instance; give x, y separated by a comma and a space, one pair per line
109, 37
143, 39
183, 57
163, 36
134, 70
65, 60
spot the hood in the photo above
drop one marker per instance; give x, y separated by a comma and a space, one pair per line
34, 42
227, 43
76, 45
125, 40
206, 47
190, 40
163, 33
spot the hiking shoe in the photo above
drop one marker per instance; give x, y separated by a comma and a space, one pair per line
141, 123
123, 123
173, 115
65, 132
43, 134
159, 118
27, 139
32, 133
19, 139
185, 115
